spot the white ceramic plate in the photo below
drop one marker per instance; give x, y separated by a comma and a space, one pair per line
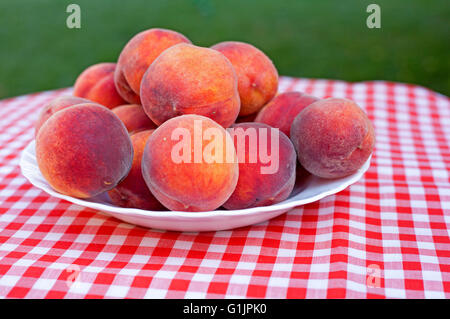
309, 190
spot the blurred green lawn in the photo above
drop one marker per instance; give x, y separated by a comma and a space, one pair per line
304, 38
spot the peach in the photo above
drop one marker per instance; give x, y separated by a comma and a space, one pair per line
136, 57
132, 191
190, 164
282, 110
96, 83
84, 150
257, 76
258, 186
186, 79
333, 137
134, 118
56, 105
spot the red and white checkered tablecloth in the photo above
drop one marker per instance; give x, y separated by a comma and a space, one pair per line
385, 236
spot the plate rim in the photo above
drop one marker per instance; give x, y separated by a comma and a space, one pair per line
191, 215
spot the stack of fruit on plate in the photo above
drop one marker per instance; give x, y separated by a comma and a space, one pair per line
176, 126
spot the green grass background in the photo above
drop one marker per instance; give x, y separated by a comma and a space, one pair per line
304, 38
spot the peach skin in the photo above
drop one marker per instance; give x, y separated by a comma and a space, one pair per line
190, 164
257, 76
56, 105
96, 83
136, 57
132, 191
187, 79
84, 150
256, 186
333, 137
134, 118
282, 110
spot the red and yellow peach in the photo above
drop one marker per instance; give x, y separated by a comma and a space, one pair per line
186, 169
137, 55
96, 83
282, 110
83, 150
187, 79
134, 118
257, 76
333, 137
132, 191
56, 105
262, 182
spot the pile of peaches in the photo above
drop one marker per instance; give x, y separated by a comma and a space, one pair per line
122, 127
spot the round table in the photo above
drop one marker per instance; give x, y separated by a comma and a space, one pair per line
387, 236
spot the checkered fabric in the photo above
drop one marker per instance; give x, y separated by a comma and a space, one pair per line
385, 236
